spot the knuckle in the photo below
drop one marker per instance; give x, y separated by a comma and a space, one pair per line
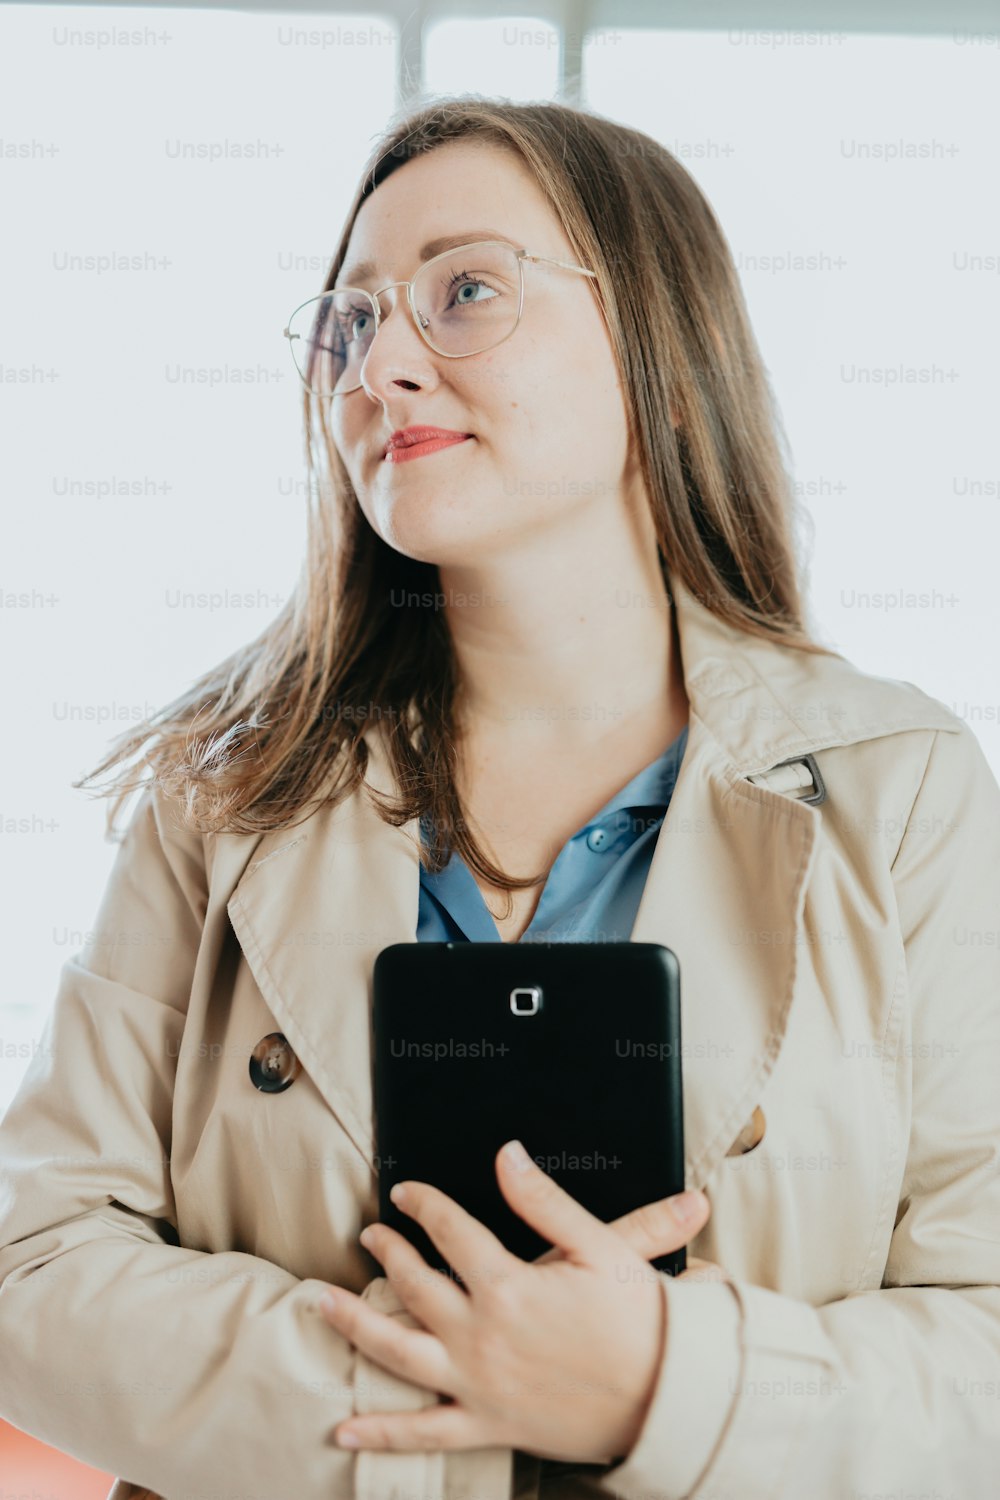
501, 1295
406, 1361
655, 1224
347, 1316
407, 1281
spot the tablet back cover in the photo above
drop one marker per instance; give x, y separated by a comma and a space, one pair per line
574, 1048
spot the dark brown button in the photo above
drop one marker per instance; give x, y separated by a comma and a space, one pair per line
273, 1064
751, 1135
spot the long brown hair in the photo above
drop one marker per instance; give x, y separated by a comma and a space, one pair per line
252, 744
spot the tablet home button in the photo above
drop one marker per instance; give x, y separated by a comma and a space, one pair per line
526, 1000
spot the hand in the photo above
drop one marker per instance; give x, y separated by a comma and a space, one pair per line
557, 1357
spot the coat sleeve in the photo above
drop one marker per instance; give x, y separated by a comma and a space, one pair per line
896, 1390
182, 1370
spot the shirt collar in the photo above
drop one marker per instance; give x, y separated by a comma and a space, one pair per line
650, 787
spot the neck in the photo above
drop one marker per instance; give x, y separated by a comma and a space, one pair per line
568, 655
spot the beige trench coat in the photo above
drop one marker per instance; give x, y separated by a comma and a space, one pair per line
166, 1228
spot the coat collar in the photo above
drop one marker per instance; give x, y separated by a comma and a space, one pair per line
317, 902
764, 702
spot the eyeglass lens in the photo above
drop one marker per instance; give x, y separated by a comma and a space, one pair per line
466, 301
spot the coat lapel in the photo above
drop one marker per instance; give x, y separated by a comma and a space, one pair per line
725, 891
726, 887
311, 913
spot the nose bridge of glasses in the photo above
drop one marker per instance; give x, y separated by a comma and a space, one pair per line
389, 286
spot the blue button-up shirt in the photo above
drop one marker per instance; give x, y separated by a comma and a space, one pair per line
594, 887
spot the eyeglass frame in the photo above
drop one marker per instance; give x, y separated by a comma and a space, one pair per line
522, 255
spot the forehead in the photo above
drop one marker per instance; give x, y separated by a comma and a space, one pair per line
460, 191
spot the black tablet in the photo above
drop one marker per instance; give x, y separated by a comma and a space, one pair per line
572, 1048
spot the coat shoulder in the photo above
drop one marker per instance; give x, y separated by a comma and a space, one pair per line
201, 863
859, 704
898, 744
908, 703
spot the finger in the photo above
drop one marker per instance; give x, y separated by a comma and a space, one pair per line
431, 1295
411, 1353
472, 1250
433, 1427
552, 1211
656, 1228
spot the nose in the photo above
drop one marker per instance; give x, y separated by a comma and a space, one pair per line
397, 354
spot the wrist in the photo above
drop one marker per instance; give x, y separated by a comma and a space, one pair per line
645, 1389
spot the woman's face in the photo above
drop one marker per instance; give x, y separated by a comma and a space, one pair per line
545, 409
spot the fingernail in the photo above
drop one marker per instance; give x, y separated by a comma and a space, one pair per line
398, 1194
516, 1156
685, 1206
348, 1439
328, 1302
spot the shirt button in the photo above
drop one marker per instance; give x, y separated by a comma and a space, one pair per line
597, 839
273, 1064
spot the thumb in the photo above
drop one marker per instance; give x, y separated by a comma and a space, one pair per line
657, 1228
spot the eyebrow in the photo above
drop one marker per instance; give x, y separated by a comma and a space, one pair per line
364, 269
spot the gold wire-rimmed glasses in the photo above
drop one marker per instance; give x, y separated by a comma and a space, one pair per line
329, 336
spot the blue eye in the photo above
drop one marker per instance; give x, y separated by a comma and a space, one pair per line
462, 280
347, 320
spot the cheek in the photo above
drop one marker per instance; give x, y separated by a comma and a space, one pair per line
566, 392
344, 433
349, 440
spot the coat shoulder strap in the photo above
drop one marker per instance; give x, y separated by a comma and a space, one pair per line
797, 777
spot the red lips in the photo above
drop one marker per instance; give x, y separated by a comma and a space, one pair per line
406, 437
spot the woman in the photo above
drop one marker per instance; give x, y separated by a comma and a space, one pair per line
601, 533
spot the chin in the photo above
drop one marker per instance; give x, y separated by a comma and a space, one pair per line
422, 523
